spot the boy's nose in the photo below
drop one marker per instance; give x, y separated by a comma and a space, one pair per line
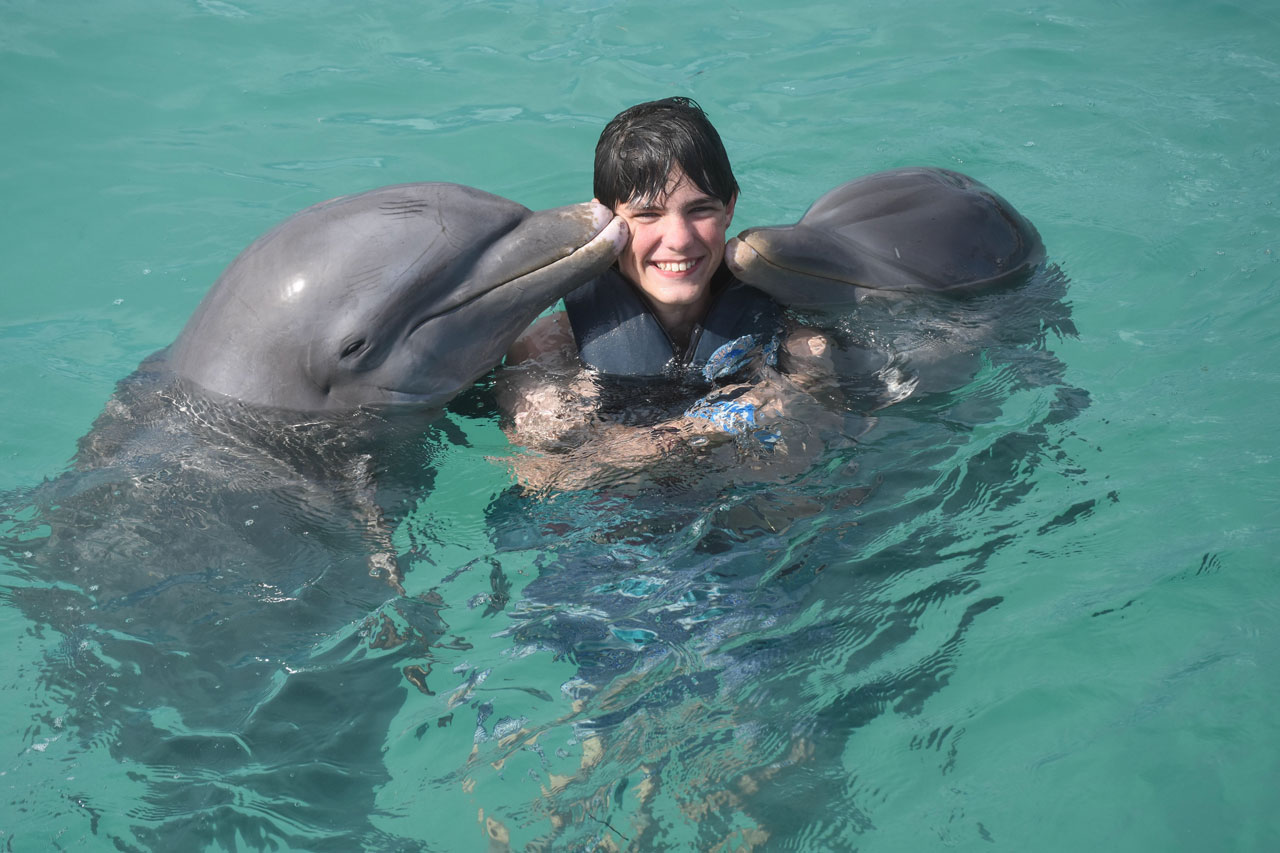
679, 233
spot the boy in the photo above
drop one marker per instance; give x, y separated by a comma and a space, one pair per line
669, 314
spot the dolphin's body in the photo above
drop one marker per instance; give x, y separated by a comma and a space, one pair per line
323, 350
217, 557
904, 230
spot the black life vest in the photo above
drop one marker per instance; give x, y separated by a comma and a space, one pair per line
618, 334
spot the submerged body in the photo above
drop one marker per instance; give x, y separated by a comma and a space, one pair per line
698, 631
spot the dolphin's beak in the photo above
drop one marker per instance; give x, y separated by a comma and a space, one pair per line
600, 215
610, 229
739, 256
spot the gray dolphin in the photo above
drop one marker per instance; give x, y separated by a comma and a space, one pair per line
404, 294
913, 229
223, 539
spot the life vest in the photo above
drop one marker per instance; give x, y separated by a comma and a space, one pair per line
618, 335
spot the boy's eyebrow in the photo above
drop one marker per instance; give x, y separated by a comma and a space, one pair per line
647, 204
701, 201
660, 202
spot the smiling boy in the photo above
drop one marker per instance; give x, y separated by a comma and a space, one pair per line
669, 312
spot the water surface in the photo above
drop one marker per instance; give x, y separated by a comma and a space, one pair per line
1029, 614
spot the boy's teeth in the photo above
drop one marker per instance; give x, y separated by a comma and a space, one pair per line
678, 266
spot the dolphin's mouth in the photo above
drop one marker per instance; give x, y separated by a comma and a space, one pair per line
608, 229
490, 315
740, 255
395, 397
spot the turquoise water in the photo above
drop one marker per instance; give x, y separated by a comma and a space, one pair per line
999, 622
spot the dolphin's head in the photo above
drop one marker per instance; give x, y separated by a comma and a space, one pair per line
405, 294
904, 230
800, 267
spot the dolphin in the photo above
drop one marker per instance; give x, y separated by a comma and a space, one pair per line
904, 230
404, 294
318, 356
219, 555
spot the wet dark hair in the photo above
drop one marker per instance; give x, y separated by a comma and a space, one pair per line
639, 148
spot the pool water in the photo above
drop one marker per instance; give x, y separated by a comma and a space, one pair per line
1036, 611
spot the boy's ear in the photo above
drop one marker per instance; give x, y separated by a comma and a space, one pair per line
728, 209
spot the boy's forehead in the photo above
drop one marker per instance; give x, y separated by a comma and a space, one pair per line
676, 179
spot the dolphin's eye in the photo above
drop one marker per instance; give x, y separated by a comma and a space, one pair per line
353, 348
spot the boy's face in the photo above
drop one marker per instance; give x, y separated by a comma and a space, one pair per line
677, 243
